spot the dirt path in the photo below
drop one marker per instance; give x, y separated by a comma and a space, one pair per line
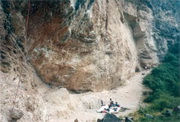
129, 96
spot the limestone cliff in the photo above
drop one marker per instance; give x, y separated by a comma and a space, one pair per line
87, 45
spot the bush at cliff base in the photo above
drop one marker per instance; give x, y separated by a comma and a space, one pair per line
165, 84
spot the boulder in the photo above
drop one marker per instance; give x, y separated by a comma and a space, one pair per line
176, 109
110, 118
76, 120
149, 116
15, 113
99, 120
128, 119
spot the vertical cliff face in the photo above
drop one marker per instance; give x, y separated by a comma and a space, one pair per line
140, 19
89, 45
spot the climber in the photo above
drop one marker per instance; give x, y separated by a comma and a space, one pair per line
102, 103
110, 99
116, 104
111, 103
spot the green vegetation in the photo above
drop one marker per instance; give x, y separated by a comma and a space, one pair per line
165, 84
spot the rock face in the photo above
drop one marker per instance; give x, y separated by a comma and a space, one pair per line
89, 45
83, 48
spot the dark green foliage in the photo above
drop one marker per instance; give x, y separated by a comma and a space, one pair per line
165, 101
166, 77
7, 24
79, 3
165, 84
90, 3
173, 118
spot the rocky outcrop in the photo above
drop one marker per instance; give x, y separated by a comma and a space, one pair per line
88, 45
166, 25
87, 49
140, 19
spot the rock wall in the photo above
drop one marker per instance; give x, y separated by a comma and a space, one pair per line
88, 45
90, 50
